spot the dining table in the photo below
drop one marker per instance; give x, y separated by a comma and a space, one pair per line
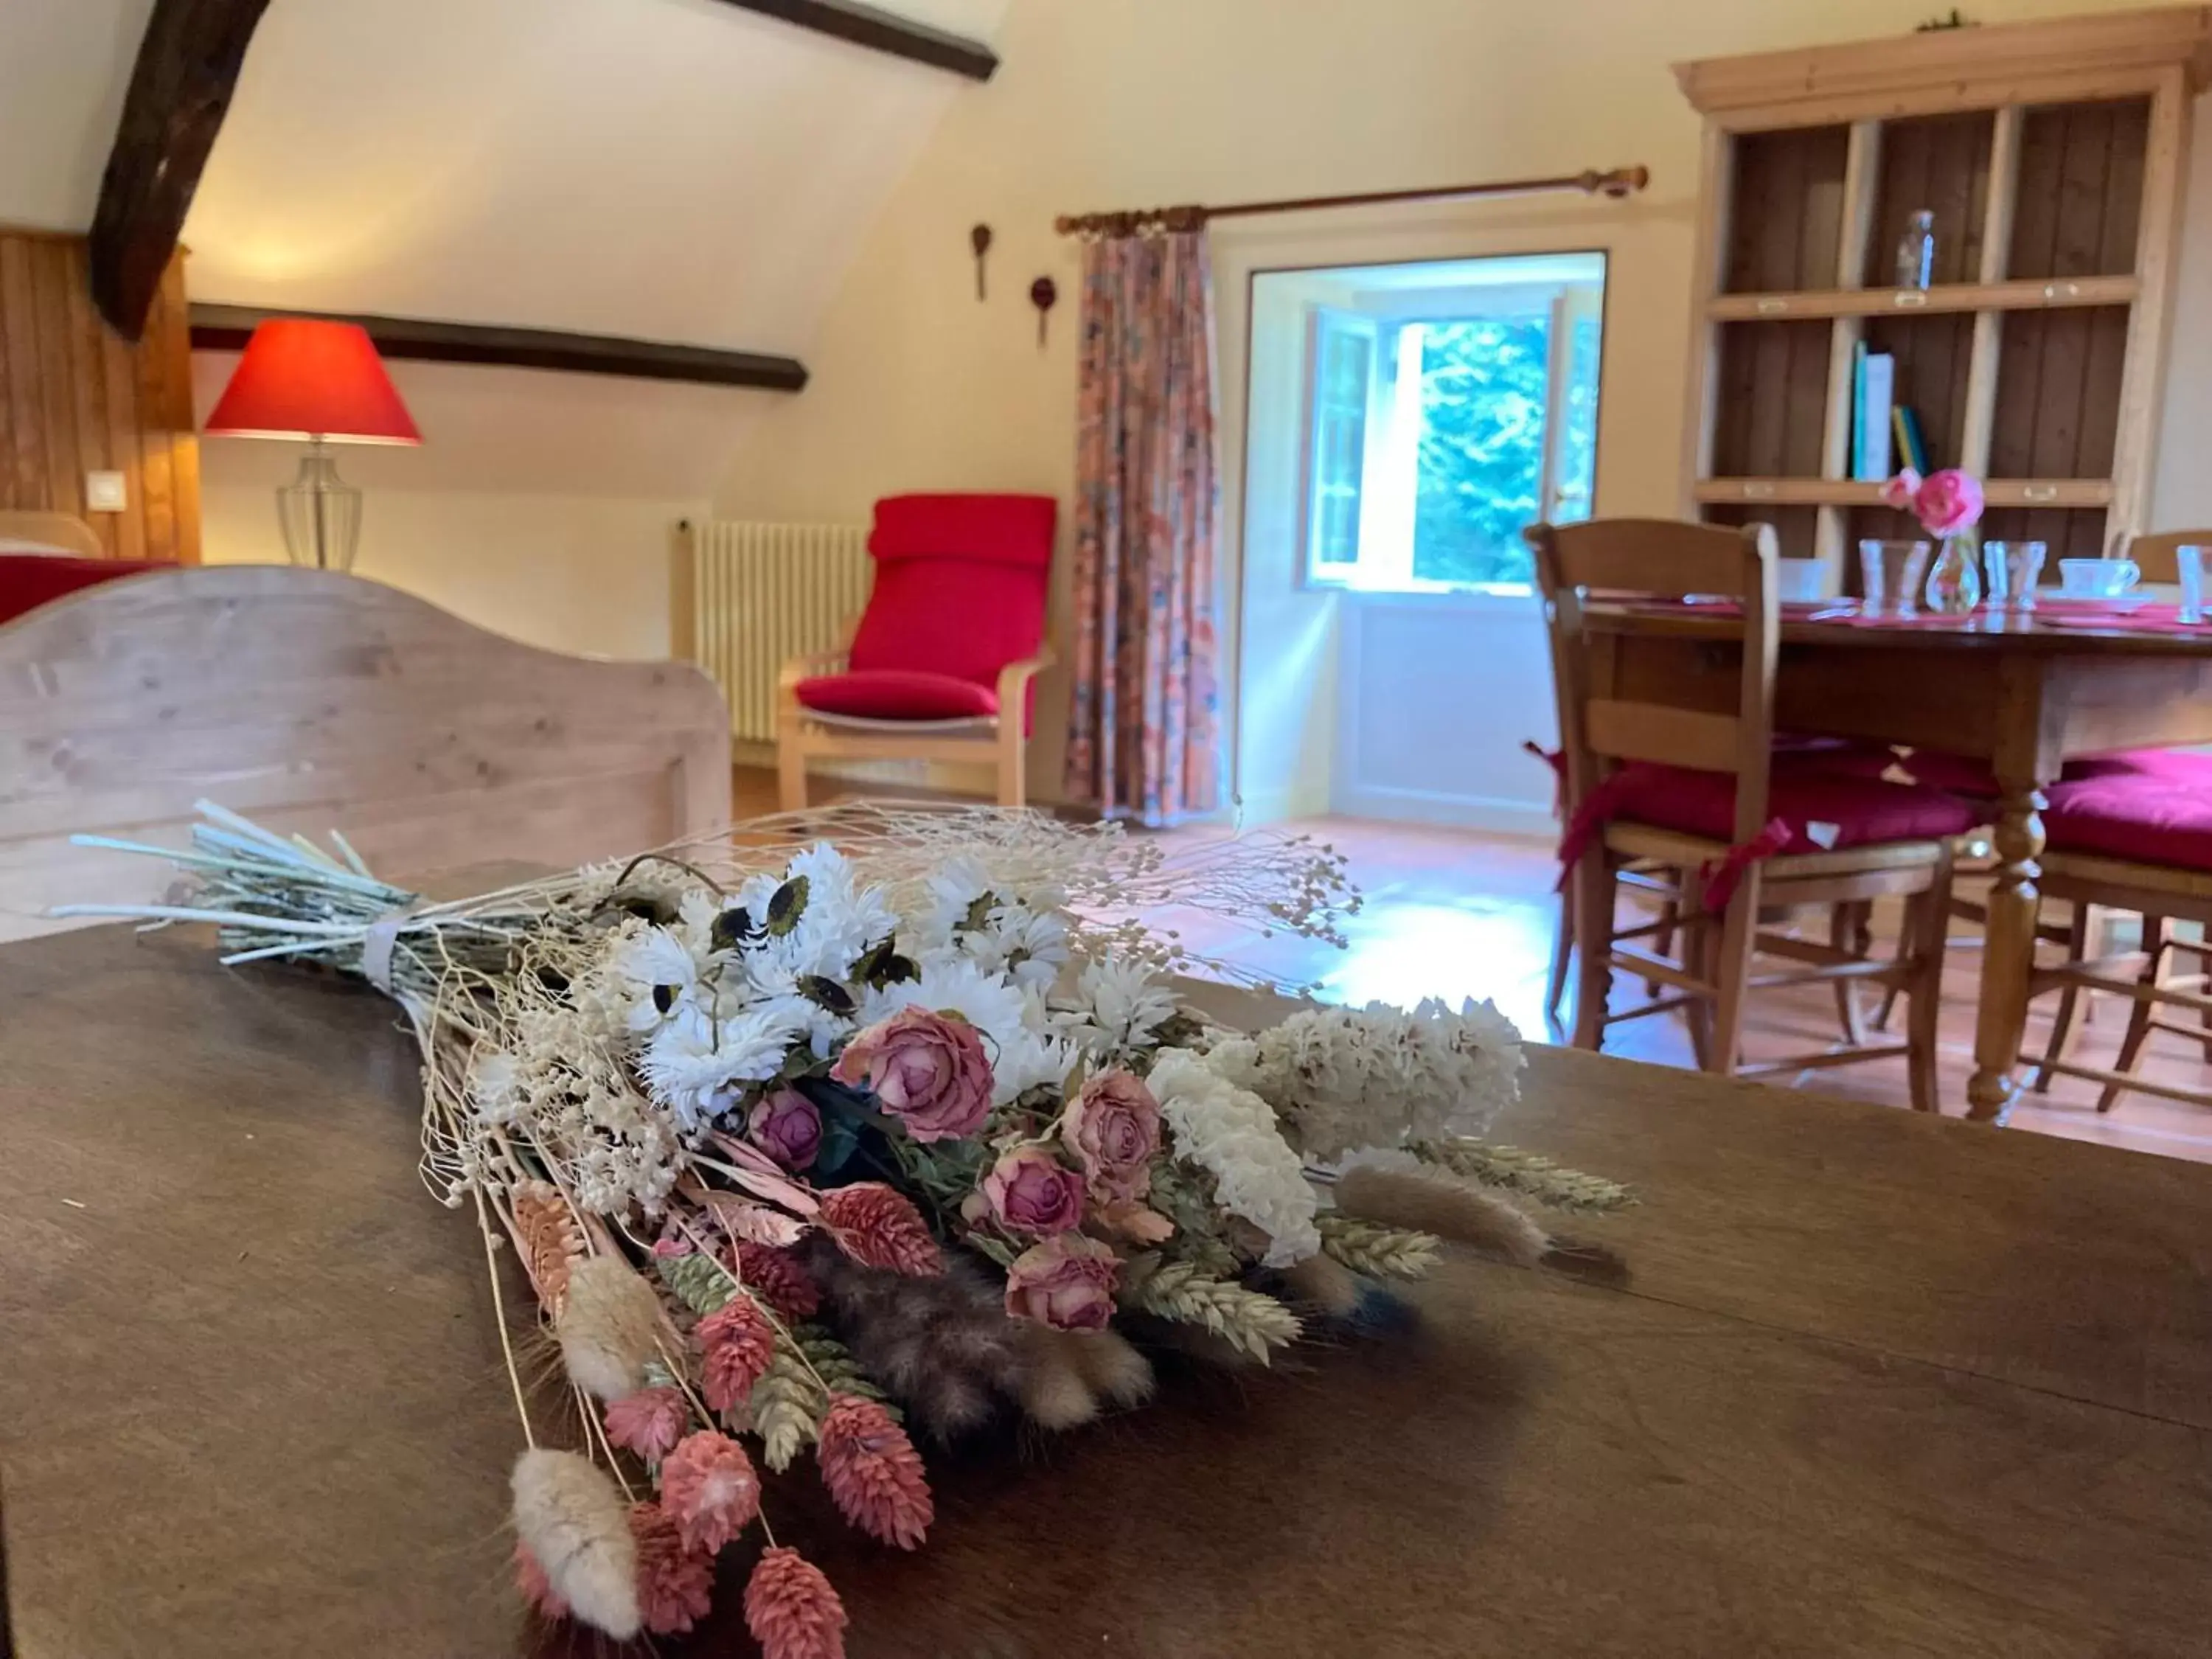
1843, 1380
2024, 692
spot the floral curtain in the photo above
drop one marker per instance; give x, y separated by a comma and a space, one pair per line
1144, 736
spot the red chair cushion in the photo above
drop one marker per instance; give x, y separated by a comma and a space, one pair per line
960, 584
2146, 817
28, 580
1825, 811
895, 694
1960, 775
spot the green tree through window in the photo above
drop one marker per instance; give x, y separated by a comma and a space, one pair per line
1480, 474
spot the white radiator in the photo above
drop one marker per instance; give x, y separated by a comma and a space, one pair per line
749, 597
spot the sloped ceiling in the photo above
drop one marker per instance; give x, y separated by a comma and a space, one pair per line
669, 169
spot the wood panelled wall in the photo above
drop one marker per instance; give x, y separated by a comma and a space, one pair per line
76, 397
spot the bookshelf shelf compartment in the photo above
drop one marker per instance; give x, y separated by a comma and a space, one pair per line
2041, 294
2051, 155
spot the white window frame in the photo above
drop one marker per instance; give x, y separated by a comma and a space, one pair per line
1392, 445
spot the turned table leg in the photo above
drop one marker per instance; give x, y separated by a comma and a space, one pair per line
2008, 955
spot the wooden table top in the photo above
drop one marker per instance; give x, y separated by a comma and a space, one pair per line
2035, 633
1871, 1383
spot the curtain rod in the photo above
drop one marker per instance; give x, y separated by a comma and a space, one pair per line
1618, 183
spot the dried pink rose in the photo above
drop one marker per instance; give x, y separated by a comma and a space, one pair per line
1031, 1191
1898, 492
675, 1583
787, 1127
649, 1422
1113, 1128
926, 1070
1066, 1282
873, 1472
709, 1489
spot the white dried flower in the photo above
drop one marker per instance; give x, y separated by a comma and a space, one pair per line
1345, 1079
1119, 1006
697, 1063
1230, 1133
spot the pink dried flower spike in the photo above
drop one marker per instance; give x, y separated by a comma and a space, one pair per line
873, 1472
792, 1610
878, 1227
535, 1588
777, 1279
649, 1422
709, 1488
675, 1583
738, 1343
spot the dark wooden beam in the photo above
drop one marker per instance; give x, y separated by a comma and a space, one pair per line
227, 328
180, 88
883, 31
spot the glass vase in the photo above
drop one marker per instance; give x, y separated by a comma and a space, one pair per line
1955, 580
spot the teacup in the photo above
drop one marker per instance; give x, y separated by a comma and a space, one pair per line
2097, 579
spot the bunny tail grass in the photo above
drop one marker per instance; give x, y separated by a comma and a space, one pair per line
571, 1518
1448, 1206
607, 1327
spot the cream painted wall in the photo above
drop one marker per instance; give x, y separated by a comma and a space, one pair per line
1123, 103
580, 574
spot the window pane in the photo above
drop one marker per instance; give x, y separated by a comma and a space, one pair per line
1340, 441
1577, 458
1481, 467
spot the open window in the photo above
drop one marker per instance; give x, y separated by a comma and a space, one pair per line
1448, 407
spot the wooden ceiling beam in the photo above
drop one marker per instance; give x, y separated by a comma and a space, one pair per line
884, 31
180, 88
227, 328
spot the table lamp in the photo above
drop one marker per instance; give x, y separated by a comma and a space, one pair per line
322, 382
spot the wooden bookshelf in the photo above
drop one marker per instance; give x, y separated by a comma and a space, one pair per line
2051, 155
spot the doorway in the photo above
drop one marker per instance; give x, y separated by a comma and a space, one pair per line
1406, 423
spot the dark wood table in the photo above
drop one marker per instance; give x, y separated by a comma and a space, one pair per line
2024, 694
1871, 1384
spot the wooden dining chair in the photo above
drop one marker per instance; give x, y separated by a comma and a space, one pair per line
2158, 555
1686, 786
2140, 842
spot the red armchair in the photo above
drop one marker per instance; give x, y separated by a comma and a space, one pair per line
942, 663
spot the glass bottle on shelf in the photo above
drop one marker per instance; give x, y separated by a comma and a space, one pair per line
1915, 254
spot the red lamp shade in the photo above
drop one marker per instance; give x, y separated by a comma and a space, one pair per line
304, 378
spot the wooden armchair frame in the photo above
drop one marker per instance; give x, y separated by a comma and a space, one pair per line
996, 741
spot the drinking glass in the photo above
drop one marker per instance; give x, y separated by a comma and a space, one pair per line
2014, 569
1890, 573
2098, 578
2189, 560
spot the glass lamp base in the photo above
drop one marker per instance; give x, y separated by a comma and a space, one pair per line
321, 513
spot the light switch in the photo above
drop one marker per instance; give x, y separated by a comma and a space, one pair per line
106, 492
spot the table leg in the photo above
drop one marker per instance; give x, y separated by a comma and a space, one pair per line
2008, 955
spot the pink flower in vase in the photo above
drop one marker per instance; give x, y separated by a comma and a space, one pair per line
1899, 492
1949, 501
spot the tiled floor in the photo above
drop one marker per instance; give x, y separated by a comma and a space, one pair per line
1453, 914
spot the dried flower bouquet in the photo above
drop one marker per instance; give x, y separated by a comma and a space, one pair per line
907, 1126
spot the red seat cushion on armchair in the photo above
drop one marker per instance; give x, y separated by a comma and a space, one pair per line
960, 586
899, 694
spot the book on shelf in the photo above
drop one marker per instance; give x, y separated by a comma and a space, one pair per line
1912, 447
1873, 397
